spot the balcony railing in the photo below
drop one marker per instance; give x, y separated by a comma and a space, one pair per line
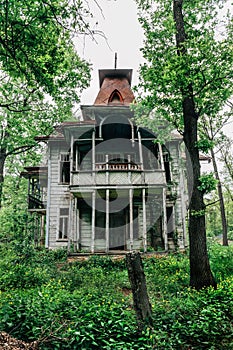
117, 166
35, 202
118, 177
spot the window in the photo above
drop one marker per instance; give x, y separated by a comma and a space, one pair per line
166, 160
64, 168
100, 158
63, 223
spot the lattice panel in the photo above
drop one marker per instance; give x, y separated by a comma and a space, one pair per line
155, 178
101, 178
136, 178
119, 178
83, 179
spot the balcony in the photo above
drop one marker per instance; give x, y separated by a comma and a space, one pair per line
118, 175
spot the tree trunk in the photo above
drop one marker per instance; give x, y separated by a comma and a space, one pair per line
200, 273
221, 201
2, 164
137, 279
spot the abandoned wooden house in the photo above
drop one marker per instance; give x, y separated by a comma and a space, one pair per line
107, 185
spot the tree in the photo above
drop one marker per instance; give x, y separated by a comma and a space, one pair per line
40, 71
188, 73
227, 157
212, 138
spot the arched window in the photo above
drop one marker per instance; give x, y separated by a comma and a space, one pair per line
115, 97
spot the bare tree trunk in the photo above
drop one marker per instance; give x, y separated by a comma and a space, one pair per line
200, 272
137, 279
2, 164
221, 201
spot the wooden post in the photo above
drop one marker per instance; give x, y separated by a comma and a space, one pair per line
140, 150
93, 156
72, 160
70, 225
76, 233
164, 203
137, 279
131, 218
107, 221
93, 223
144, 234
42, 231
107, 168
165, 238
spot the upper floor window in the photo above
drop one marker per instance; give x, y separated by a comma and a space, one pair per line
64, 168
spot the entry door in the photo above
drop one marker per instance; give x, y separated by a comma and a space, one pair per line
117, 230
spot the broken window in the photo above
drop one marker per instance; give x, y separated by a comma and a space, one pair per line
64, 168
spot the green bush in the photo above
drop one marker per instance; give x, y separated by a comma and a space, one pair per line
88, 304
221, 260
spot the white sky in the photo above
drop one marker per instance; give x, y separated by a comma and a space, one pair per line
124, 35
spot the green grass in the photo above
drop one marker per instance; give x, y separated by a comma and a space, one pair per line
88, 305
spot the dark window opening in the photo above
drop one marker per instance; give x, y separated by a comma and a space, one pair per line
115, 97
100, 220
170, 222
64, 168
166, 161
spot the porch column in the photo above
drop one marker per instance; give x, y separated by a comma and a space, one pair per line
47, 235
93, 223
140, 150
93, 154
71, 159
164, 202
107, 221
107, 169
144, 234
131, 218
77, 233
70, 224
42, 230
165, 220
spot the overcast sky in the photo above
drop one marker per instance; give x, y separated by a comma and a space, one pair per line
124, 36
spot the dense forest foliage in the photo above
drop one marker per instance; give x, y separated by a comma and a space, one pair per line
88, 304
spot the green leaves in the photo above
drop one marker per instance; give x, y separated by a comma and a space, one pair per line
42, 75
36, 42
207, 182
206, 64
205, 145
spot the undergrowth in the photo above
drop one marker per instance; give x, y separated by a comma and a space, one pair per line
88, 304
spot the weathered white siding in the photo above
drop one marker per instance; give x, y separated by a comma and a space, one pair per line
59, 195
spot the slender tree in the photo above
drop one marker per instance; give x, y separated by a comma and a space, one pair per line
188, 73
227, 157
211, 131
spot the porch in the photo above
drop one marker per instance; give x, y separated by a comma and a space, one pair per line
117, 219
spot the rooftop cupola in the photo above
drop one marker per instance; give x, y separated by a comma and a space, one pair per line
115, 87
